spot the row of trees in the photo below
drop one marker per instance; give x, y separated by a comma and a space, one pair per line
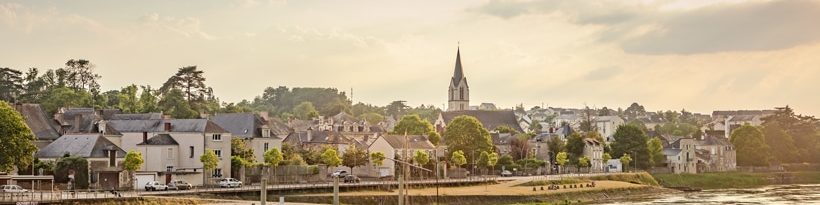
784, 137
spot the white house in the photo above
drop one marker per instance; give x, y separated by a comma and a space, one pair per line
104, 157
393, 146
614, 165
607, 125
255, 130
175, 145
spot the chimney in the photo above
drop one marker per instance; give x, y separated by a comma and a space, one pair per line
310, 134
167, 127
144, 137
101, 126
264, 115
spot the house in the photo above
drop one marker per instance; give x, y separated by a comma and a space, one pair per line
607, 126
594, 151
180, 143
538, 146
87, 120
613, 165
104, 157
501, 141
680, 156
719, 155
571, 119
490, 119
733, 119
394, 146
254, 129
524, 122
317, 140
42, 126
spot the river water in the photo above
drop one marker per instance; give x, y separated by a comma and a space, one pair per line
781, 194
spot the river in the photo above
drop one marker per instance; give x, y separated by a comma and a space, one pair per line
781, 194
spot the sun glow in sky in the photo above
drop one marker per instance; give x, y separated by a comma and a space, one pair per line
700, 55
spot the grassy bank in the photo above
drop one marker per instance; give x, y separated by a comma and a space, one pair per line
635, 178
736, 179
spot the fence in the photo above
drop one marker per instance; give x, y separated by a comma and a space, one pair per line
56, 196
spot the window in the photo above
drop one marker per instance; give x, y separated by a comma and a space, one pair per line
217, 172
265, 132
461, 93
170, 153
191, 152
218, 153
266, 147
112, 158
217, 137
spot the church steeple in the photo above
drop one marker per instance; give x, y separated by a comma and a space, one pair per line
459, 92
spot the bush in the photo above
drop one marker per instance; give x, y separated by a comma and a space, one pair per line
80, 167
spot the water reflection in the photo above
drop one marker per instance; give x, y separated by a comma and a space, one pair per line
784, 194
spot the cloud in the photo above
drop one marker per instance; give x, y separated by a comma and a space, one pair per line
649, 28
186, 26
604, 73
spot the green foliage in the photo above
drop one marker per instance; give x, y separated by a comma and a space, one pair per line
492, 159
133, 161
506, 129
735, 180
305, 111
273, 157
554, 182
531, 162
561, 158
575, 147
458, 158
751, 147
413, 125
294, 160
77, 165
583, 162
466, 133
148, 101
506, 161
354, 157
635, 178
535, 126
331, 158
209, 160
65, 97
434, 138
606, 157
173, 103
377, 158
655, 147
11, 84
128, 100
793, 138
520, 147
631, 140
483, 159
555, 145
372, 117
421, 157
16, 139
280, 100
625, 160
242, 152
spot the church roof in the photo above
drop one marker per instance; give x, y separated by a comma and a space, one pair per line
458, 74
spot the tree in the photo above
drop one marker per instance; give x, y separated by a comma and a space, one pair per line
272, 159
305, 111
555, 145
466, 133
372, 117
421, 157
34, 86
413, 125
67, 165
506, 161
128, 100
173, 103
65, 97
561, 159
583, 162
781, 144
133, 161
397, 108
11, 84
631, 140
751, 147
331, 158
656, 151
634, 110
16, 139
483, 159
625, 159
575, 147
492, 160
434, 138
148, 100
458, 158
535, 126
189, 80
796, 142
519, 147
81, 76
377, 158
606, 157
241, 150
506, 129
209, 162
354, 157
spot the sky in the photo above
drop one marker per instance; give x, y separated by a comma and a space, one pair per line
698, 55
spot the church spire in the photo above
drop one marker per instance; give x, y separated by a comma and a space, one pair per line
458, 74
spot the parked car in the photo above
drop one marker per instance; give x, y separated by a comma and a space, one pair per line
13, 189
229, 182
339, 174
155, 186
179, 185
351, 179
506, 173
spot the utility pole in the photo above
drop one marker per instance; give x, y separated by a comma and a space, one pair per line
335, 190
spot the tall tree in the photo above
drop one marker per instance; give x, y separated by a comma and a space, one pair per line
33, 86
273, 157
209, 162
397, 108
555, 145
65, 97
128, 99
148, 101
81, 76
133, 161
575, 147
561, 159
354, 157
519, 147
190, 81
631, 140
634, 110
655, 147
16, 139
11, 84
331, 158
173, 103
802, 129
751, 147
458, 158
466, 133
625, 160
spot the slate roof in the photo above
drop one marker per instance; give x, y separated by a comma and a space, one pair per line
501, 138
178, 125
87, 116
246, 125
82, 145
607, 118
320, 137
143, 116
41, 125
742, 118
713, 140
160, 139
671, 152
413, 141
489, 118
458, 74
278, 128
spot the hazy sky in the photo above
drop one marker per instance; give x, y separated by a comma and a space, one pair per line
666, 54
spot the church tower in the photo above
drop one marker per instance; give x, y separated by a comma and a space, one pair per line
459, 92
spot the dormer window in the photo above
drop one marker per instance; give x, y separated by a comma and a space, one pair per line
265, 132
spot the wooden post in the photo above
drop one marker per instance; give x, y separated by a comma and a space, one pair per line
335, 190
401, 190
264, 192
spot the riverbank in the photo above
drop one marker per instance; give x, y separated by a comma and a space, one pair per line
727, 180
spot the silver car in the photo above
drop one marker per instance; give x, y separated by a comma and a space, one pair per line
12, 189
